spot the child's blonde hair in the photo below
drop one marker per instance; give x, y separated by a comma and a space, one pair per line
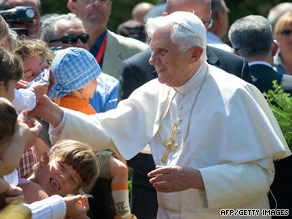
4, 28
82, 159
27, 48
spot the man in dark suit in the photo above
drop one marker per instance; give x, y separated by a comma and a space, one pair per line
252, 38
136, 71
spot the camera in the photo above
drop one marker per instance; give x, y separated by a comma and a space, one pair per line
18, 15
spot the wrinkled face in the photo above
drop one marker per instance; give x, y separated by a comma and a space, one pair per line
169, 62
93, 12
89, 89
284, 37
58, 178
201, 9
33, 66
65, 27
34, 27
7, 91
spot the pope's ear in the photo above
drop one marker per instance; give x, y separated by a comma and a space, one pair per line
196, 53
71, 6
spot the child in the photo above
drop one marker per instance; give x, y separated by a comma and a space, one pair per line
35, 55
75, 71
67, 167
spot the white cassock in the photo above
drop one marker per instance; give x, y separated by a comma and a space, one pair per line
233, 139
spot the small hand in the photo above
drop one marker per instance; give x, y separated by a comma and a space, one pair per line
30, 128
76, 205
39, 88
9, 193
175, 179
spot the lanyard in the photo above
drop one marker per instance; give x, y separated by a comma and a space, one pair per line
101, 51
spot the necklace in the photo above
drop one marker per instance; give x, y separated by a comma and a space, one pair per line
170, 144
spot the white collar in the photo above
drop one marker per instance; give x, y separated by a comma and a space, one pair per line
194, 82
259, 63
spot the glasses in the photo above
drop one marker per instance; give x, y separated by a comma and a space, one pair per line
285, 32
72, 38
93, 1
32, 74
209, 22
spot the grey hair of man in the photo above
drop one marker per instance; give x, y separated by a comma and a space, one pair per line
251, 36
187, 30
49, 28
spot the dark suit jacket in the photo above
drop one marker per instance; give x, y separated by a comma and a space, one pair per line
135, 72
263, 77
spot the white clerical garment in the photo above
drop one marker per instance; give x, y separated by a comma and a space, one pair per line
233, 137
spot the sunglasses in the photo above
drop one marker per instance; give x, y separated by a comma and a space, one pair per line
285, 32
72, 38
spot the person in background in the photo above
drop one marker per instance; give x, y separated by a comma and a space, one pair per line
277, 11
67, 31
63, 31
283, 34
109, 48
219, 28
252, 38
33, 28
134, 27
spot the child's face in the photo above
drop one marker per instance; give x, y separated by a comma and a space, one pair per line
32, 67
7, 91
89, 89
58, 178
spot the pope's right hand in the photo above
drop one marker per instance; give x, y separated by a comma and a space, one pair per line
48, 110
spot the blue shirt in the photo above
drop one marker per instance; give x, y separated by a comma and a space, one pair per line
96, 46
106, 93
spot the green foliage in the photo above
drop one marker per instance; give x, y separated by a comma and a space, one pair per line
281, 105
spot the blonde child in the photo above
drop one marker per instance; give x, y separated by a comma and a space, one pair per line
75, 71
67, 168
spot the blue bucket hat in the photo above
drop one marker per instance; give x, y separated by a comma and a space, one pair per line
72, 69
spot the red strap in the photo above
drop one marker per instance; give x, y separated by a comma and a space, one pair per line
101, 51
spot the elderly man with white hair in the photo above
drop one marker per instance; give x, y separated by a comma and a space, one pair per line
212, 135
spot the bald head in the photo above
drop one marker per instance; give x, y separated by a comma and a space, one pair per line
201, 8
140, 10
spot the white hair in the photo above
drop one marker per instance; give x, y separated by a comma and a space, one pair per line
187, 30
49, 29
